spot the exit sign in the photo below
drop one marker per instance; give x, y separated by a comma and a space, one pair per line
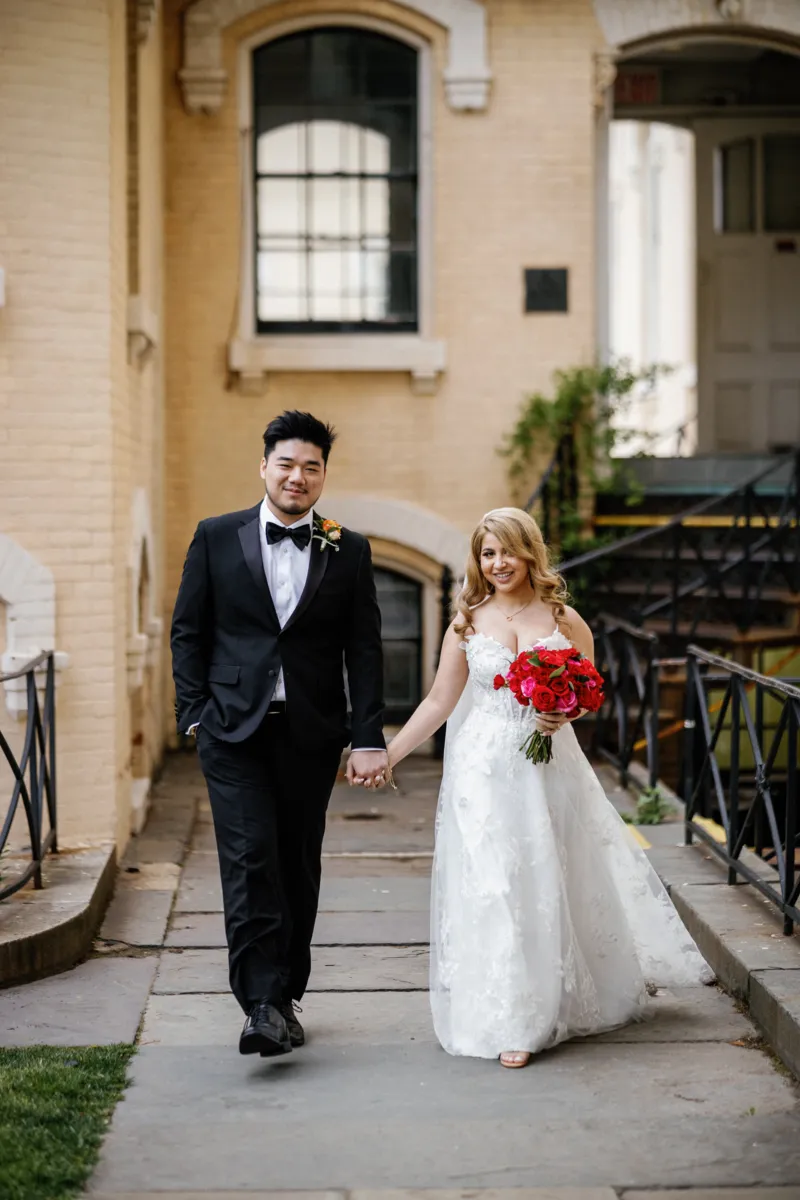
637, 87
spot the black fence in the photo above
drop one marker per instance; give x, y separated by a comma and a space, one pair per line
757, 723
740, 734
627, 658
33, 774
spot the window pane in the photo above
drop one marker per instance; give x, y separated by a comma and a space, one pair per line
334, 208
374, 152
402, 284
375, 220
281, 206
737, 181
281, 151
401, 675
782, 183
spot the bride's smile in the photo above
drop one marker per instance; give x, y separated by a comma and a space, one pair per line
505, 572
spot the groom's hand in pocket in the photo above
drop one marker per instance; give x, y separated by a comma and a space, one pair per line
368, 768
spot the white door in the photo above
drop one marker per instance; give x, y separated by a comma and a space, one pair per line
748, 245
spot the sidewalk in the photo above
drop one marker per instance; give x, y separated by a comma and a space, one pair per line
685, 1100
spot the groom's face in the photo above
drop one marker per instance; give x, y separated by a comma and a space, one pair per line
294, 475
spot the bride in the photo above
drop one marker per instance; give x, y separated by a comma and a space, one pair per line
547, 919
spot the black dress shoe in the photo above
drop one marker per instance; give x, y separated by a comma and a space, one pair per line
265, 1032
297, 1035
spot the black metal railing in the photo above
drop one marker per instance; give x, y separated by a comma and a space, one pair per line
555, 497
756, 794
716, 561
627, 658
33, 774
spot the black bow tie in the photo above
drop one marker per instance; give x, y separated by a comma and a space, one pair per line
300, 536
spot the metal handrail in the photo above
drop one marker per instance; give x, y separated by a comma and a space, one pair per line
775, 834
37, 761
627, 660
644, 535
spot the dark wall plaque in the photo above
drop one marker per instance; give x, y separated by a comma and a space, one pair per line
546, 289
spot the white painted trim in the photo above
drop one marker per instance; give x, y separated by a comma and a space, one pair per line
402, 522
629, 21
467, 77
251, 356
28, 589
144, 329
144, 630
146, 13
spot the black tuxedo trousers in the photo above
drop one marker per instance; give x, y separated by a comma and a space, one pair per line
269, 797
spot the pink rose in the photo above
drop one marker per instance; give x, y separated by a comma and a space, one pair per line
528, 686
567, 703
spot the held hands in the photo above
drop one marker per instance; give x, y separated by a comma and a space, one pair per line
369, 768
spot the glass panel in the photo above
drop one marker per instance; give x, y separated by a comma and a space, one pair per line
737, 181
374, 152
403, 285
335, 207
281, 151
281, 206
782, 183
399, 600
376, 208
401, 676
326, 147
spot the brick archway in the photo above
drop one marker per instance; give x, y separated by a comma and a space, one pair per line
403, 523
624, 23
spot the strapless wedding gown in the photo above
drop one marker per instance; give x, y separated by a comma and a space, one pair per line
548, 920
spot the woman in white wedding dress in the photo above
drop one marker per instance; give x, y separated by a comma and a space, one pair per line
548, 921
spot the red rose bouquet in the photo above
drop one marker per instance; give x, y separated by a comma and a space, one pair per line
560, 681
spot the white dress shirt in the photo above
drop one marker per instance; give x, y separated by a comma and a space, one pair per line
286, 569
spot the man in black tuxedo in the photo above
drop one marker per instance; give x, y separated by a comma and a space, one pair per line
273, 603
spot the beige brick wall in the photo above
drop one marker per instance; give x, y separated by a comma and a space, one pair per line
513, 188
76, 431
55, 339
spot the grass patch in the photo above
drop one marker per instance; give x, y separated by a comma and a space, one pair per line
55, 1105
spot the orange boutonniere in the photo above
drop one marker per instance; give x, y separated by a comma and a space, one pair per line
327, 533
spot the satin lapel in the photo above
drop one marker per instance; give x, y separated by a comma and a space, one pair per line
250, 538
316, 571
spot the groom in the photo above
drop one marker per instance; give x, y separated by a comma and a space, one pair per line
272, 603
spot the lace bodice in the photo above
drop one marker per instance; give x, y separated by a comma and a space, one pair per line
488, 658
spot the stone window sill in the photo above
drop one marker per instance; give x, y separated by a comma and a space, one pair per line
252, 359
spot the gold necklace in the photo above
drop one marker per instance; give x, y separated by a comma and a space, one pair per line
519, 610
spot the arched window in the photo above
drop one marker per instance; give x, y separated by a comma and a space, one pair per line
336, 180
400, 600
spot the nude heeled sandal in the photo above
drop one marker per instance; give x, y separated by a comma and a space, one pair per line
514, 1059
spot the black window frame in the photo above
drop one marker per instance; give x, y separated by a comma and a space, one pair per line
409, 175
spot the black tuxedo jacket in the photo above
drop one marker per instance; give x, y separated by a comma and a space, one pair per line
228, 646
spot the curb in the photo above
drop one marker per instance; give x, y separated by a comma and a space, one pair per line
44, 932
739, 932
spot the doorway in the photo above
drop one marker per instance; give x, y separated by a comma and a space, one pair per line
740, 103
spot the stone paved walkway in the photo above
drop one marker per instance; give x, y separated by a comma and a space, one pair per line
685, 1100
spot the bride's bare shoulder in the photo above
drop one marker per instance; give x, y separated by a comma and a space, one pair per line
573, 626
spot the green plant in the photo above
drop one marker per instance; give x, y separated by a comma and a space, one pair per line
653, 807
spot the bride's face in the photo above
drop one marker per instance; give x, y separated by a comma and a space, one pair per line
504, 571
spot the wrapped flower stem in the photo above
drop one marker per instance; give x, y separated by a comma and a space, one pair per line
538, 747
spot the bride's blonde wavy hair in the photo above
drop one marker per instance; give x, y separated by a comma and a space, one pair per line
518, 534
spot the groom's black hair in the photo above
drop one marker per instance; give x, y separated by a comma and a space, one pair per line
300, 425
